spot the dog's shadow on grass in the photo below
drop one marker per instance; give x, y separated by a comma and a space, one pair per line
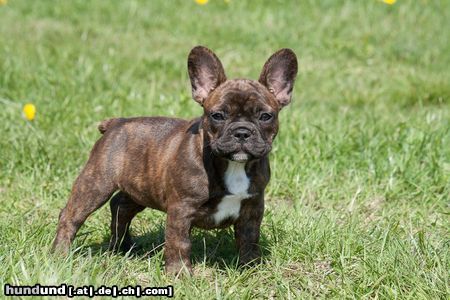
215, 248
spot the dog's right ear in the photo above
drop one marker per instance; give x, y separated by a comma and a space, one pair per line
278, 75
205, 71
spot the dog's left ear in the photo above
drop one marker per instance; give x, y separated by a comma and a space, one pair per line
278, 75
205, 71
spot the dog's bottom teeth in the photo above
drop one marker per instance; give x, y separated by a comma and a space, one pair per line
240, 157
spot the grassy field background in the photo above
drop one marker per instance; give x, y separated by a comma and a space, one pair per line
358, 205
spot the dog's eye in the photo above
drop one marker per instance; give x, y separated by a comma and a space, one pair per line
265, 117
218, 116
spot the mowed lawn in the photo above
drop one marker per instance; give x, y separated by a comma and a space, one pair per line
358, 205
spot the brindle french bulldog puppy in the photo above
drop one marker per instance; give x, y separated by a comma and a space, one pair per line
208, 172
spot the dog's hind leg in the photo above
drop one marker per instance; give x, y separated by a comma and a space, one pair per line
123, 210
90, 191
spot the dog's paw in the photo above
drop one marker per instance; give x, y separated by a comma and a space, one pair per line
178, 269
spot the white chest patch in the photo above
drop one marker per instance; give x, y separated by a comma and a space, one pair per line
237, 184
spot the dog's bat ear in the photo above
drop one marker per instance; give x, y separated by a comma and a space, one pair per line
205, 71
278, 75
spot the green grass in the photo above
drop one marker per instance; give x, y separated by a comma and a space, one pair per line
358, 205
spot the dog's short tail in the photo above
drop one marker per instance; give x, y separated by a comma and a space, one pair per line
106, 124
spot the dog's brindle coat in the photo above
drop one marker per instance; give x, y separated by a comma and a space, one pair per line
210, 172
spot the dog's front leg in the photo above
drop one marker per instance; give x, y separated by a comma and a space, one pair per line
178, 243
247, 230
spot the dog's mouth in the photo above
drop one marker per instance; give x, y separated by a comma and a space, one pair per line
240, 157
240, 152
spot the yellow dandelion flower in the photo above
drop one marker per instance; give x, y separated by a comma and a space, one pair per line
201, 2
227, 1
390, 2
29, 111
3, 2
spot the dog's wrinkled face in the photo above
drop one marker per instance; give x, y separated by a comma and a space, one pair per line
241, 120
241, 116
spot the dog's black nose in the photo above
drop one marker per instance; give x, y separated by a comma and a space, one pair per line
242, 134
